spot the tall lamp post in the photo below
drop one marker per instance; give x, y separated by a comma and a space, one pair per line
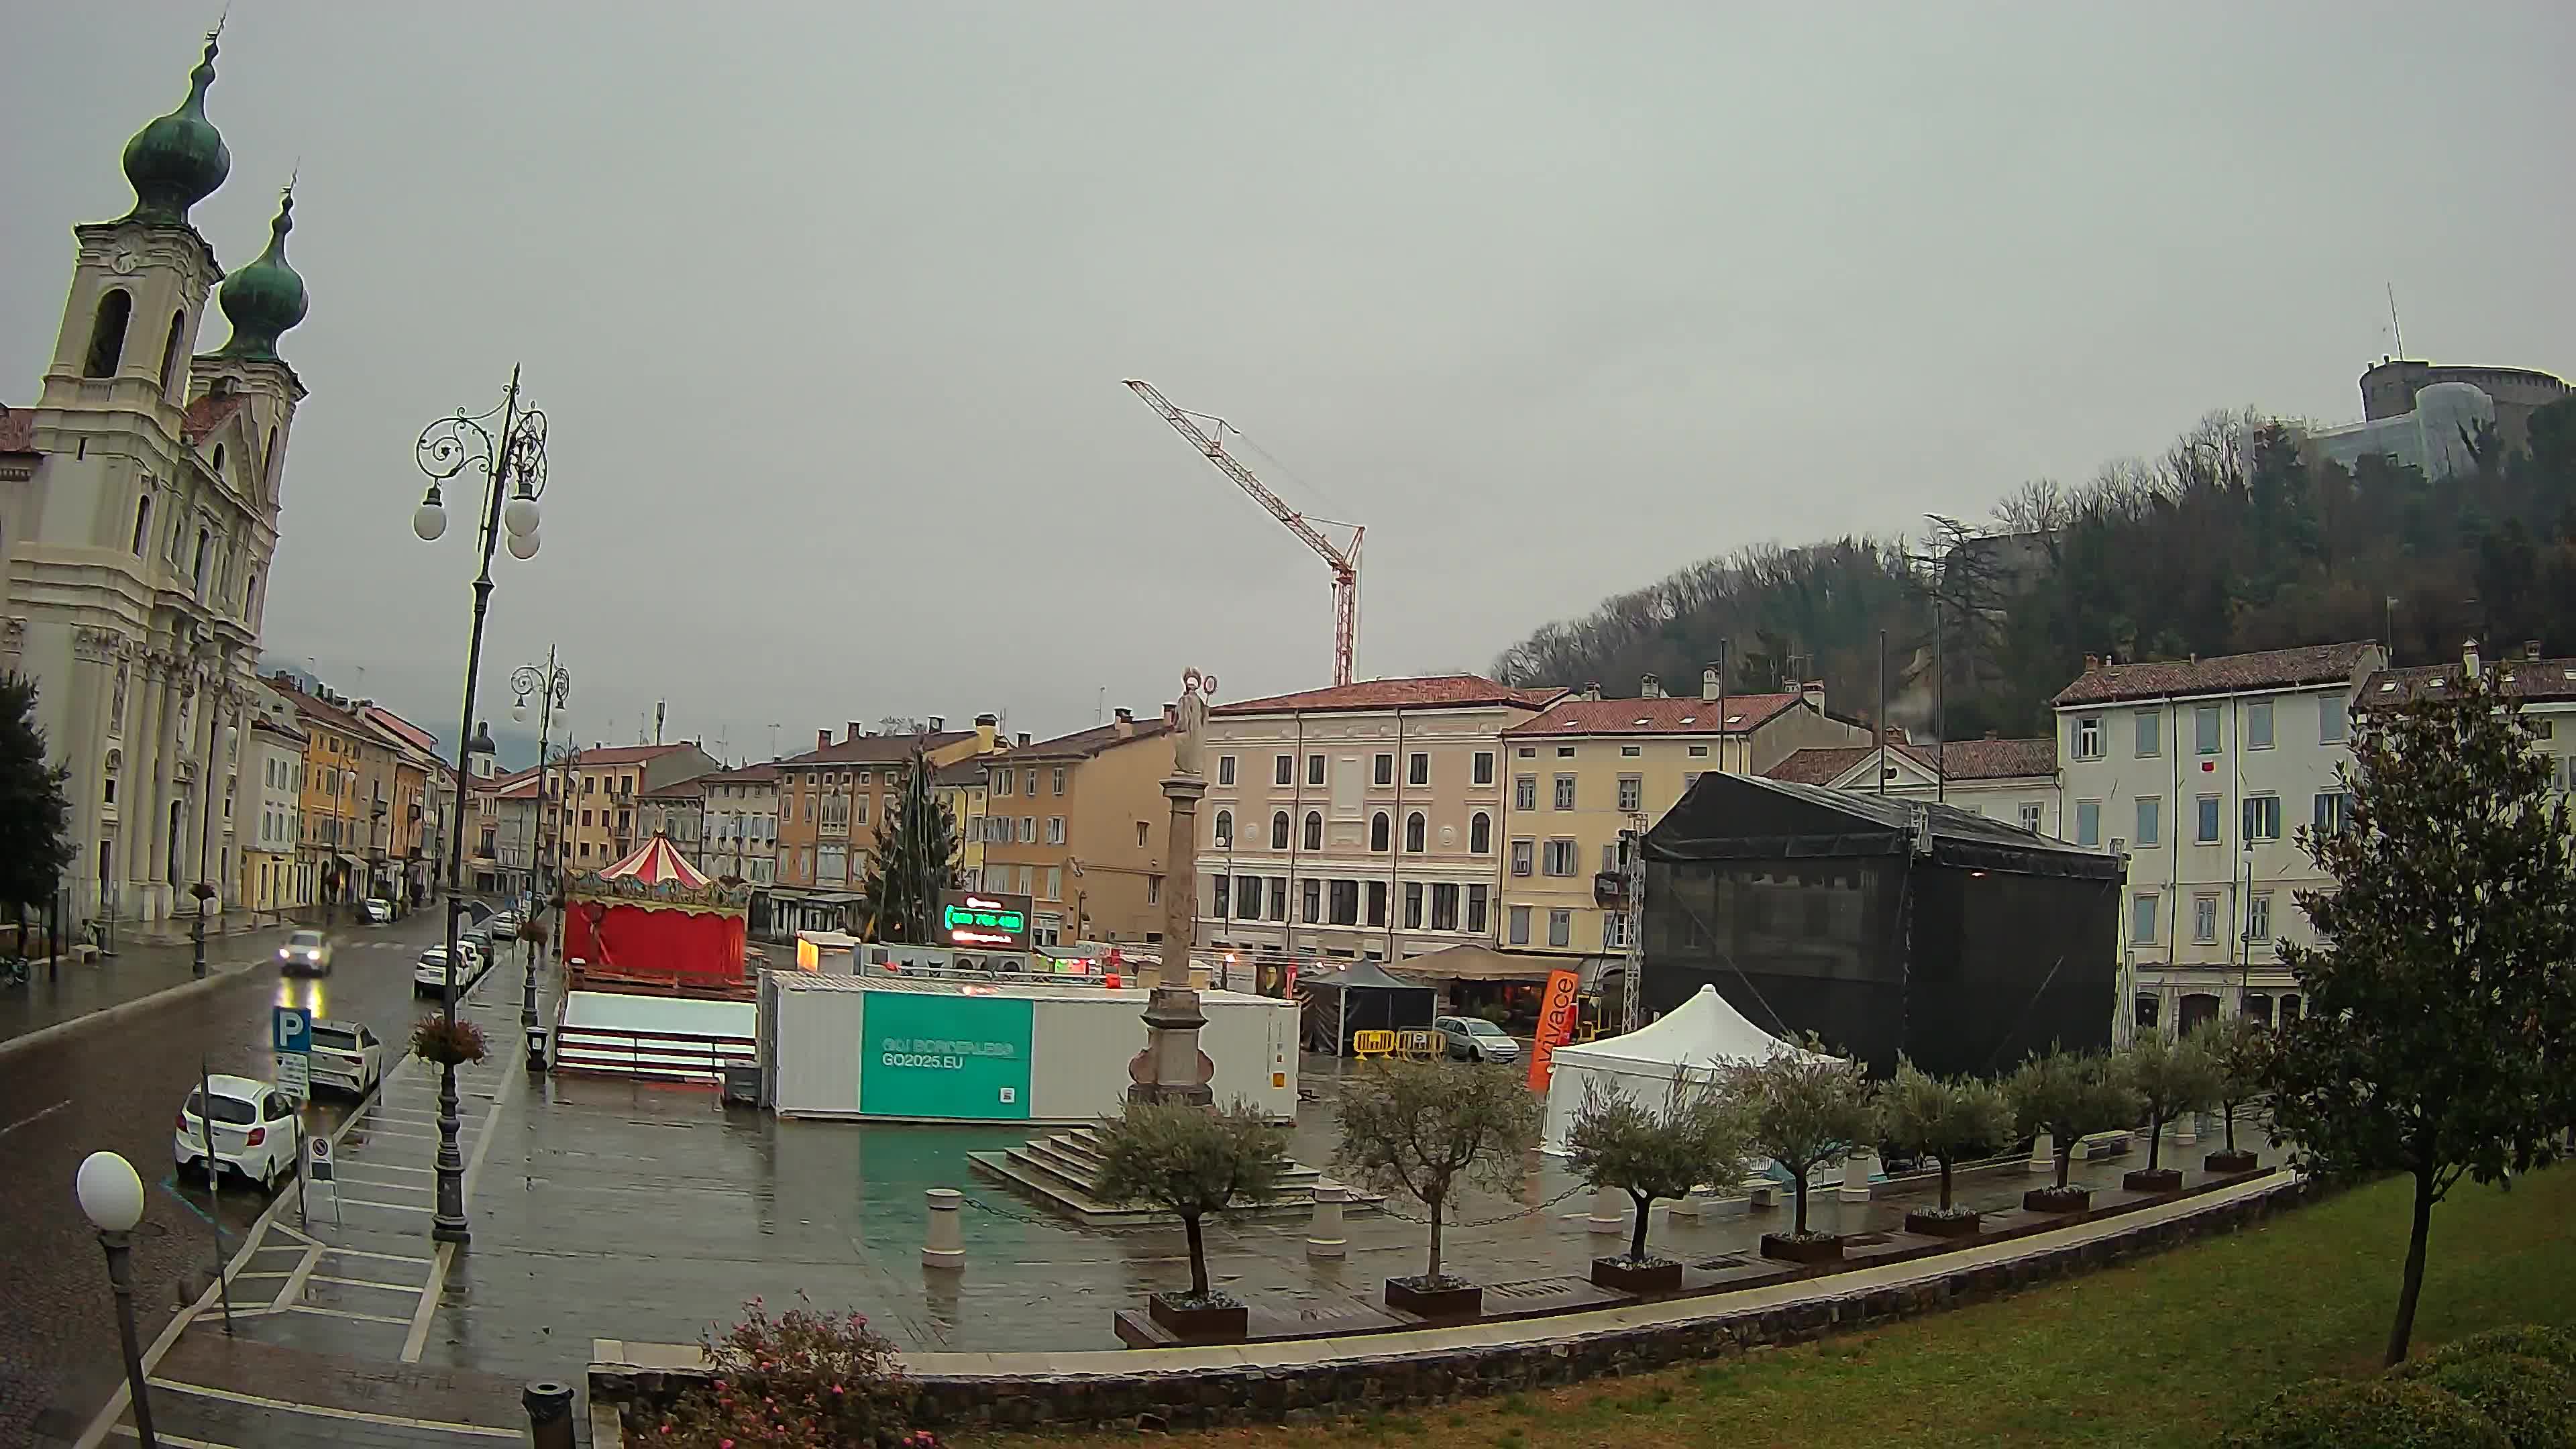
111, 1197
513, 463
553, 686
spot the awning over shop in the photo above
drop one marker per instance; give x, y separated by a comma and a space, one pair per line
1481, 963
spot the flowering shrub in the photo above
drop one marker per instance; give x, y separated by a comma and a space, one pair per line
447, 1043
796, 1380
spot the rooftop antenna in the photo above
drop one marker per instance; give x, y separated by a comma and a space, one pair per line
2394, 326
659, 706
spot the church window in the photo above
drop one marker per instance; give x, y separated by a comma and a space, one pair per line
170, 352
107, 333
219, 461
142, 522
205, 546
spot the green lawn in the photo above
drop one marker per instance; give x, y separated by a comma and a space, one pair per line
2166, 1351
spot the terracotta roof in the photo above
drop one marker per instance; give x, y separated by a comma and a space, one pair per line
1083, 744
693, 788
760, 774
876, 749
17, 430
2225, 674
1437, 691
2524, 678
1960, 760
402, 729
622, 754
208, 413
1654, 716
273, 727
313, 707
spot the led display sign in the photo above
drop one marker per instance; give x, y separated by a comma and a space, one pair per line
984, 920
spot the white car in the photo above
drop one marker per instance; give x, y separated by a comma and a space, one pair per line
1477, 1039
346, 1055
305, 952
378, 909
430, 976
503, 926
254, 1131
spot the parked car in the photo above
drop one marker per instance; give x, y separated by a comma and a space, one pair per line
477, 948
254, 1130
1476, 1039
378, 909
503, 926
429, 976
305, 954
346, 1055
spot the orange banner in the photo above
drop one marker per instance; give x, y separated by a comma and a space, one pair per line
1556, 1015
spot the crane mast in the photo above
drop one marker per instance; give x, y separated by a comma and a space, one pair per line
1345, 561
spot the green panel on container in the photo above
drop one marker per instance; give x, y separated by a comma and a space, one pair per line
945, 1056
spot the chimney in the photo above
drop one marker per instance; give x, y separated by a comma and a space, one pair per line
822, 739
939, 724
2092, 663
2469, 658
1650, 687
1125, 724
1592, 689
2531, 650
1813, 692
1024, 739
852, 731
988, 732
1709, 687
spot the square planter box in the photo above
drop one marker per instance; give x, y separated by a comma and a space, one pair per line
2152, 1179
1208, 1323
1790, 1249
2229, 1162
2050, 1200
1465, 1300
1660, 1276
1933, 1225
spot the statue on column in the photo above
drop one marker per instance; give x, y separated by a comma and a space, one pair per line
1189, 738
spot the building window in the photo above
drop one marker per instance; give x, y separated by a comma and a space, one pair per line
1153, 890
1476, 909
1614, 931
1565, 752
2204, 920
1314, 769
2258, 916
1376, 903
1279, 830
2205, 729
2258, 725
1413, 832
2150, 724
1378, 832
2151, 820
1632, 794
1516, 932
1055, 830
107, 333
1028, 830
1525, 792
2334, 720
2088, 822
2262, 817
1003, 782
1444, 906
2334, 807
1225, 769
2088, 737
1560, 928
1225, 829
1029, 783
1247, 896
1279, 898
1480, 833
1417, 769
1315, 827
2030, 816
2208, 823
1523, 852
142, 522
1313, 902
1484, 768
1284, 771
1565, 792
1382, 769
1055, 889
1560, 858
1058, 781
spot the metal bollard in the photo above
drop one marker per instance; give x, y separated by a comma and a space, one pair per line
2043, 1154
549, 1407
1609, 1212
943, 1239
1858, 1169
1324, 1237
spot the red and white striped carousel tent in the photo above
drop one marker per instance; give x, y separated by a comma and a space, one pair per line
656, 862
656, 922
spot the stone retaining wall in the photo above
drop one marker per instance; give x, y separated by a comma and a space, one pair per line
1407, 1378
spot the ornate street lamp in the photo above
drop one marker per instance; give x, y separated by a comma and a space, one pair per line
513, 463
111, 1197
553, 686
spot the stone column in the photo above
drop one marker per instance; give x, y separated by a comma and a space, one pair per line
1171, 1068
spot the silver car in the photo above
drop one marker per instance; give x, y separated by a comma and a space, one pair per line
1476, 1039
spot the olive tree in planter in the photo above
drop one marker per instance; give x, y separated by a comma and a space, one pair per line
1806, 1111
2067, 1096
2168, 1078
1191, 1163
1950, 1120
1698, 1136
1420, 1128
2240, 1055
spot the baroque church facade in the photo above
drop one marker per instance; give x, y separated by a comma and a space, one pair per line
139, 504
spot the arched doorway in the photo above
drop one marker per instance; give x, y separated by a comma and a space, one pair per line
2195, 1009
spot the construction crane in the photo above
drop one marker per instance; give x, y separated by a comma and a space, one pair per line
1345, 561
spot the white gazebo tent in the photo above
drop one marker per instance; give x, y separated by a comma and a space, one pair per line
1691, 1039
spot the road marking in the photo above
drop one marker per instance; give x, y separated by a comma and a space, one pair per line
326, 1411
418, 1338
35, 1117
379, 1257
294, 1289
176, 1441
342, 1313
367, 1283
391, 1207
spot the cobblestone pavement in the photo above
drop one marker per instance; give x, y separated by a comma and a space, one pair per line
117, 1083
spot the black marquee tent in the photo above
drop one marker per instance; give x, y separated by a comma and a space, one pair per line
1361, 997
1885, 926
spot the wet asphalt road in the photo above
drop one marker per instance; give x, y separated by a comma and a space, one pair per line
118, 1084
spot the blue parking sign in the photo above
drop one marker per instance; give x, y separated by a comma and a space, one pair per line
291, 1029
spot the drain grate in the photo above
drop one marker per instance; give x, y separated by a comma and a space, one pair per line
1863, 1240
1722, 1260
1535, 1288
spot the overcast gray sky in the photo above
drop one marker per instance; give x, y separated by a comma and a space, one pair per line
829, 304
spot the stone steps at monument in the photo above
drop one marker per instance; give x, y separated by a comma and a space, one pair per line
1081, 1165
1067, 1183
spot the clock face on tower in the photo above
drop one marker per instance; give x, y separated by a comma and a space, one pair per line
125, 261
